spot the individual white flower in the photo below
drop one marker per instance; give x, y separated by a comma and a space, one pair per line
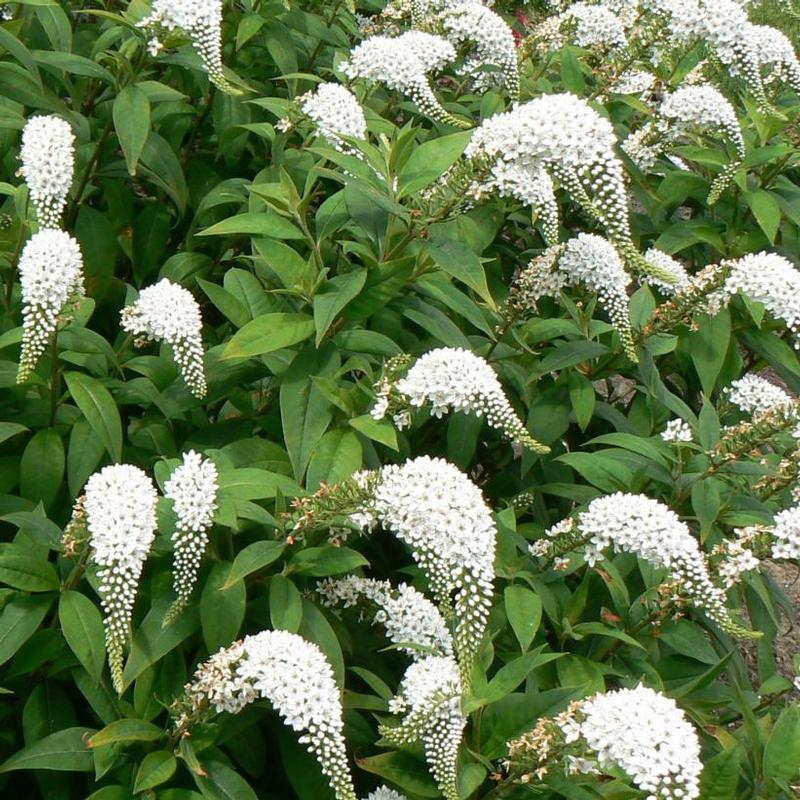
737, 556
455, 379
493, 38
565, 136
677, 430
587, 260
771, 280
166, 312
48, 165
120, 505
51, 273
336, 113
644, 733
667, 264
201, 20
193, 489
786, 534
595, 25
756, 395
440, 514
429, 700
403, 63
294, 675
634, 523
411, 621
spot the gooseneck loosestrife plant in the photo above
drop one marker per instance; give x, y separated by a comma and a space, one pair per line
400, 400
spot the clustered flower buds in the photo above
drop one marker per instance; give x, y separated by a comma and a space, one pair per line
48, 164
201, 20
637, 524
294, 675
336, 113
588, 260
404, 63
383, 793
51, 274
411, 621
193, 489
166, 312
786, 534
454, 379
429, 700
120, 508
677, 431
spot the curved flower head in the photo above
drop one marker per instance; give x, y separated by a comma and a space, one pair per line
336, 113
120, 506
454, 379
48, 164
494, 40
587, 260
294, 675
429, 700
440, 514
193, 489
756, 395
166, 312
644, 733
403, 63
667, 264
633, 523
411, 621
51, 273
771, 280
565, 136
201, 20
776, 55
594, 25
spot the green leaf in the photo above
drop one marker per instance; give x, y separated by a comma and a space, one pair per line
782, 751
320, 562
156, 768
42, 467
268, 333
766, 210
9, 429
458, 260
336, 457
333, 297
26, 569
285, 604
18, 621
404, 770
429, 161
82, 626
126, 730
250, 483
582, 397
708, 346
222, 783
378, 430
221, 609
254, 557
720, 777
264, 223
131, 114
64, 751
84, 452
524, 612
99, 409
601, 629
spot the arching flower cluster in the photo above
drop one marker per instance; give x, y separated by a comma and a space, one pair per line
637, 524
336, 113
48, 165
120, 508
645, 734
593, 25
294, 675
454, 379
737, 556
587, 260
51, 274
429, 700
700, 108
193, 489
777, 58
493, 39
411, 621
404, 63
756, 395
201, 20
564, 136
433, 508
166, 312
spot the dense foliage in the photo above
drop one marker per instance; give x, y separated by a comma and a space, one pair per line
398, 401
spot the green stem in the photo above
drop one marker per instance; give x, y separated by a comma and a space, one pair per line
55, 380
